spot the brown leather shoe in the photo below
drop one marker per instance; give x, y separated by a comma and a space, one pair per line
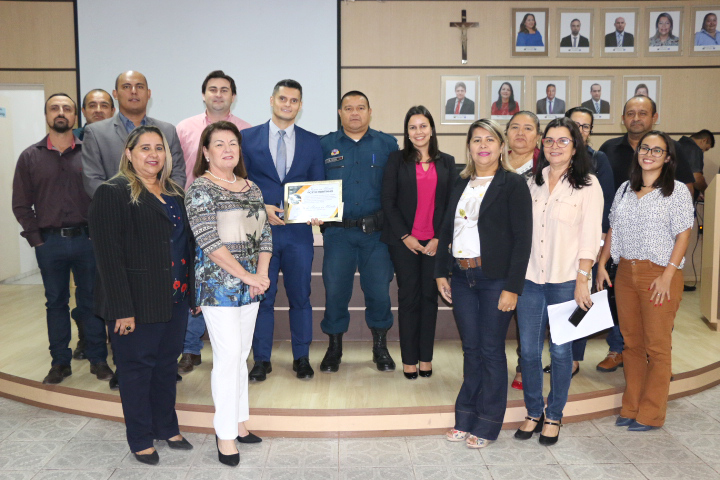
102, 371
611, 362
188, 362
57, 374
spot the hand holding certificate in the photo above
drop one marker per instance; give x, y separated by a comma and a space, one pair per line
305, 201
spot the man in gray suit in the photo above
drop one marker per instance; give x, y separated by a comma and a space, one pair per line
550, 104
104, 141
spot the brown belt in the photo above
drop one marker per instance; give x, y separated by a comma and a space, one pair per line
465, 263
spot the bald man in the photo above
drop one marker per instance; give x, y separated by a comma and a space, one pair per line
105, 140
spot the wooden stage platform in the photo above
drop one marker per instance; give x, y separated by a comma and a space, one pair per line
356, 401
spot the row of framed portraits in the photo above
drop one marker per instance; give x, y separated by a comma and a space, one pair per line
548, 97
625, 32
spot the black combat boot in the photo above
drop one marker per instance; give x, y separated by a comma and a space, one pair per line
331, 361
381, 356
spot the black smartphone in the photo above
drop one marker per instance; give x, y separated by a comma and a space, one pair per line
578, 315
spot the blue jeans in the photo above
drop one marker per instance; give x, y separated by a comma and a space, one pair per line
57, 257
615, 339
193, 335
348, 250
480, 405
533, 321
295, 259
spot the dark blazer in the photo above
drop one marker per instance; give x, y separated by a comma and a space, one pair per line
103, 145
307, 166
611, 40
399, 195
604, 106
467, 108
505, 228
558, 106
133, 254
582, 41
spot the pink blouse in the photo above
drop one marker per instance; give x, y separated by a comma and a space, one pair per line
426, 184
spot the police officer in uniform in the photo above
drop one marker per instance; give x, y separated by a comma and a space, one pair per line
357, 154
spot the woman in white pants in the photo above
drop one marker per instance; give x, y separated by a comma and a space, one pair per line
234, 246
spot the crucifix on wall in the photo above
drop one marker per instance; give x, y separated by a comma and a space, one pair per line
463, 26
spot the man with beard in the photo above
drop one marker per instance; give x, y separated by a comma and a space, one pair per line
50, 203
639, 117
104, 141
97, 105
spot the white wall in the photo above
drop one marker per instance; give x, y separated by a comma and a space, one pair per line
177, 43
22, 126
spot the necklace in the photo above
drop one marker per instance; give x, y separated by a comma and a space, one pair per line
222, 179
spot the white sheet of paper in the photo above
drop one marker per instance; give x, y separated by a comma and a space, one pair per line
597, 319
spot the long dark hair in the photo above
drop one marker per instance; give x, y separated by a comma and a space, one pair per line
523, 28
409, 152
511, 100
578, 174
202, 165
666, 181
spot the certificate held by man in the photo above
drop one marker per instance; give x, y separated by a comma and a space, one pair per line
305, 201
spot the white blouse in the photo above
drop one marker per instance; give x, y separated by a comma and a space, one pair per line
645, 228
466, 238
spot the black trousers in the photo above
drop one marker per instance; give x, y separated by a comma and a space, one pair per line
417, 303
146, 362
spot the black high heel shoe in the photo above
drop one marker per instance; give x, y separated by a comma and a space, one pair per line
545, 440
410, 375
232, 460
524, 435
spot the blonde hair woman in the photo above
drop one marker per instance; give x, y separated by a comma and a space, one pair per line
488, 228
143, 246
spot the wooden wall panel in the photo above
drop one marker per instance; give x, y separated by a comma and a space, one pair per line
37, 35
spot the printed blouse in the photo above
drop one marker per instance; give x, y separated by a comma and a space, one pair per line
236, 220
645, 228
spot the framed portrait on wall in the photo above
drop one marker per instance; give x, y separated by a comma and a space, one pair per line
620, 31
665, 30
505, 95
706, 39
575, 31
646, 85
596, 93
529, 31
458, 99
551, 97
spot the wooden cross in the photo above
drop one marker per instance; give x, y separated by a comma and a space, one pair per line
463, 26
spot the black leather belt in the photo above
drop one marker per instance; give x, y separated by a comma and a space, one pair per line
66, 231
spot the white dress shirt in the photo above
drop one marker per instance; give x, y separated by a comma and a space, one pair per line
289, 143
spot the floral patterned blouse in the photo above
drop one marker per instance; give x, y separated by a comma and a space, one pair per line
236, 220
180, 249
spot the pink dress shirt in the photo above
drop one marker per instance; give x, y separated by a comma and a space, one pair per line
426, 184
189, 132
567, 227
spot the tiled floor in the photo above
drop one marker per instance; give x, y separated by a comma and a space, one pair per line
41, 444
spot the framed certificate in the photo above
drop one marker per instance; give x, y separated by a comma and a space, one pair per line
307, 200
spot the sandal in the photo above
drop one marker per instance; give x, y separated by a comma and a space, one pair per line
453, 435
476, 442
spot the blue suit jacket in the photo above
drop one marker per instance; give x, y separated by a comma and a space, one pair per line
307, 165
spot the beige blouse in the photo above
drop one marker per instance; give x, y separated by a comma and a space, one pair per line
567, 227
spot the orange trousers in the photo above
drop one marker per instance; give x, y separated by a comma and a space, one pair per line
647, 331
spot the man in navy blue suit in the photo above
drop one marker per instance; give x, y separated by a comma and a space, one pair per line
275, 153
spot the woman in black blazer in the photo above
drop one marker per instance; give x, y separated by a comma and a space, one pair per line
143, 246
485, 244
415, 190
